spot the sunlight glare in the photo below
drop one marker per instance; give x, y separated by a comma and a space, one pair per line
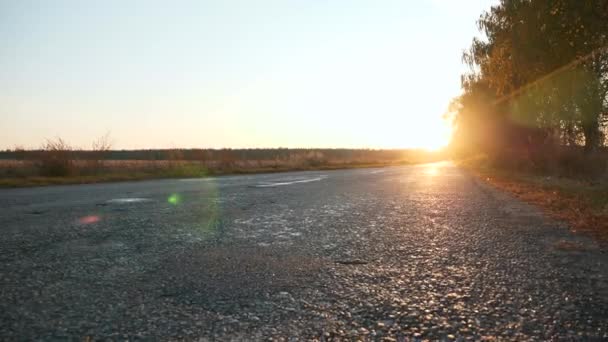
432, 134
433, 170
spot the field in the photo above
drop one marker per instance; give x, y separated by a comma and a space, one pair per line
32, 168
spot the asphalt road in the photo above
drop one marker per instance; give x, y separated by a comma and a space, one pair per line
417, 252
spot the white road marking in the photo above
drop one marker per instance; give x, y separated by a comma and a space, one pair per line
205, 179
269, 185
128, 200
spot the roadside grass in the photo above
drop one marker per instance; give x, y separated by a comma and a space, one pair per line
14, 173
58, 162
583, 203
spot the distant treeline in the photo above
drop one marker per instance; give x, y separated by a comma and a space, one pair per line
220, 154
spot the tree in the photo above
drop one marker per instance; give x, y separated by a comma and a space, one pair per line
542, 68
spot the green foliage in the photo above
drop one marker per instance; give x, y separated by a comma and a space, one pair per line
539, 77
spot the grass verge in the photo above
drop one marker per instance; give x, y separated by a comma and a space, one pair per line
167, 173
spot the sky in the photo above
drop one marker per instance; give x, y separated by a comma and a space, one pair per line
226, 73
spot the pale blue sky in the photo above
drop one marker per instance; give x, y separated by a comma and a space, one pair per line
306, 73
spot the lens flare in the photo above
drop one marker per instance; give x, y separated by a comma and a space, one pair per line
208, 211
89, 219
174, 199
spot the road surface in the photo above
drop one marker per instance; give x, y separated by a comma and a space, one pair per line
414, 252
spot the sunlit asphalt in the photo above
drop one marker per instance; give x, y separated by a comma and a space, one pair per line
415, 252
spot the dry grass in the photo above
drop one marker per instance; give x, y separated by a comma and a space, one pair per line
58, 163
21, 173
17, 173
582, 203
56, 160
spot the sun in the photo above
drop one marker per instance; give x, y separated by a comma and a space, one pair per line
431, 135
434, 141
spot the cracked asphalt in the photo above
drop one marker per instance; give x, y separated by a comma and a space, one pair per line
421, 252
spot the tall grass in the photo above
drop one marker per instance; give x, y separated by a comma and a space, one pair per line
57, 162
55, 159
99, 152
